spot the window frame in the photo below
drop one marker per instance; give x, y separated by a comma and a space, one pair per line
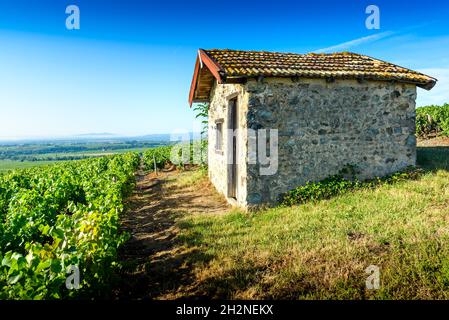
219, 140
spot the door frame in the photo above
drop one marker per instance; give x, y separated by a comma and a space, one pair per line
232, 146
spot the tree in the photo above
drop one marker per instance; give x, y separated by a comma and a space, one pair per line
202, 112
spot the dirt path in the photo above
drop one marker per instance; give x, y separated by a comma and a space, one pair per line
434, 142
155, 264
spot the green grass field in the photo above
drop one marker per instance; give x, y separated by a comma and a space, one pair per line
6, 165
321, 250
90, 153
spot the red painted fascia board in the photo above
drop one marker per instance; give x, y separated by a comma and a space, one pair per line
194, 81
213, 67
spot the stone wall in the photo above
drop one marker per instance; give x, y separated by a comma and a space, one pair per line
326, 126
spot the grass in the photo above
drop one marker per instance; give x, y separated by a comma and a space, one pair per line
6, 165
321, 250
188, 178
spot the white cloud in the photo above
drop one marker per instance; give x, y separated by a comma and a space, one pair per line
440, 93
356, 42
432, 60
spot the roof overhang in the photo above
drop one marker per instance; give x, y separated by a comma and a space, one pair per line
206, 72
210, 68
429, 85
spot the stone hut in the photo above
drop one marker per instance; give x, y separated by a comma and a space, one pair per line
314, 113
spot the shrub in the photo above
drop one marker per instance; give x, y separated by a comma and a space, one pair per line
162, 156
432, 120
58, 216
340, 183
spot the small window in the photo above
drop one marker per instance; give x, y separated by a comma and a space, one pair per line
219, 137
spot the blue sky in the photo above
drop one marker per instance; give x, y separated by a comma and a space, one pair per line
128, 69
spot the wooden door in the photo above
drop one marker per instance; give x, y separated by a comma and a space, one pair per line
233, 125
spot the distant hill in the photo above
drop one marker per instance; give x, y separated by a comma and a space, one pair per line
164, 137
98, 137
103, 134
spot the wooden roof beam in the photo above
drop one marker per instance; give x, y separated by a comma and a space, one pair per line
204, 60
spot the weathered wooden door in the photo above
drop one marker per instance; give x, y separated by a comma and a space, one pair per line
233, 125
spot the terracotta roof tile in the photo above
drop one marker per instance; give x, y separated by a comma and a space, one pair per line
236, 63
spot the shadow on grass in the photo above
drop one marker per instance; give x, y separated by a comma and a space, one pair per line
155, 262
433, 158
